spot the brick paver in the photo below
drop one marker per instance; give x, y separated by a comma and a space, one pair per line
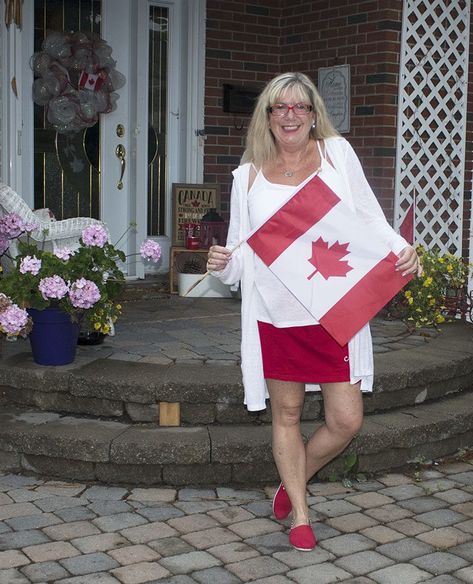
388, 530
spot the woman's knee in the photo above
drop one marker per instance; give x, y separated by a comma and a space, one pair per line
347, 425
286, 415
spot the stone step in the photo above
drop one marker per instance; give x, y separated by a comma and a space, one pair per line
131, 392
75, 448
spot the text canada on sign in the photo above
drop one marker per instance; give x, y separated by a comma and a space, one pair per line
190, 203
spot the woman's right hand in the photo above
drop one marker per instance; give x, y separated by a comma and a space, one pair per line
218, 258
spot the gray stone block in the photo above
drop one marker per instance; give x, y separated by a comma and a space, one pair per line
9, 461
143, 412
59, 467
65, 402
20, 539
161, 446
440, 563
248, 444
257, 472
45, 572
194, 414
132, 474
89, 563
116, 379
193, 474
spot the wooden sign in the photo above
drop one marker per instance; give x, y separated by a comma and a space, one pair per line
190, 202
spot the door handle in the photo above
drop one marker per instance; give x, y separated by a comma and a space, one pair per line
120, 153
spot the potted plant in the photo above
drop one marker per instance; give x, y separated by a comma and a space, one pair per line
438, 294
64, 288
192, 280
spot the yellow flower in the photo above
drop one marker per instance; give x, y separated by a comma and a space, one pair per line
408, 294
428, 281
118, 306
439, 319
441, 260
105, 329
449, 268
97, 326
410, 300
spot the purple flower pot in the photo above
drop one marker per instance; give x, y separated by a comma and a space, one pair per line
53, 338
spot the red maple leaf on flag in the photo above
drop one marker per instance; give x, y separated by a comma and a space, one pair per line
327, 259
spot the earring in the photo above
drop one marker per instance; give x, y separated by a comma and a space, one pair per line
314, 125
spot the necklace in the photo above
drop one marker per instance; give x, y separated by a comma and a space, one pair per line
289, 173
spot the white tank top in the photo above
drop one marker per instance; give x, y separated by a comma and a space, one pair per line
274, 303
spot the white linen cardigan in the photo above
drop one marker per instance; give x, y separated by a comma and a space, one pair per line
360, 198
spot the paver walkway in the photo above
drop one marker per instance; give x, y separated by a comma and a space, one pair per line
395, 529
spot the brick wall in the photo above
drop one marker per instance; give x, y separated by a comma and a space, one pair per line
242, 48
366, 35
251, 42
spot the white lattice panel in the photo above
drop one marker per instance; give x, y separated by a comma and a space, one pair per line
432, 120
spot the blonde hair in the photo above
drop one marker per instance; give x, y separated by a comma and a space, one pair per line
260, 145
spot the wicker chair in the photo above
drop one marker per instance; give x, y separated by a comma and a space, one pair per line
55, 234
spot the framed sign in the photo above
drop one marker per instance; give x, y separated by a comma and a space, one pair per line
334, 87
190, 202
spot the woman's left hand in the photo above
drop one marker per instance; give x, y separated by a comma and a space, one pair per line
408, 262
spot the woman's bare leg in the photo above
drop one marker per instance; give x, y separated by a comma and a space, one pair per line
287, 399
343, 408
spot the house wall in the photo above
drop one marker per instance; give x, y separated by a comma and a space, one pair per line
252, 42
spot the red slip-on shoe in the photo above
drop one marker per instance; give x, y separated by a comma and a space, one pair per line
281, 503
302, 538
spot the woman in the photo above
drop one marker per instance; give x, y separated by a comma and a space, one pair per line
284, 349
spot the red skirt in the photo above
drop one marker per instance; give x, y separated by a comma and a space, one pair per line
306, 354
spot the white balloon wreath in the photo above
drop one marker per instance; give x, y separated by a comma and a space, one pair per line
76, 79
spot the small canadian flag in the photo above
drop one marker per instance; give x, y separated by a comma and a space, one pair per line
331, 261
91, 81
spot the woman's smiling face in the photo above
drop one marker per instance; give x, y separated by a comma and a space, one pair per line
291, 130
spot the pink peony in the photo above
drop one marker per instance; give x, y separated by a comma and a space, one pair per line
150, 250
30, 264
84, 293
95, 235
64, 254
13, 319
53, 287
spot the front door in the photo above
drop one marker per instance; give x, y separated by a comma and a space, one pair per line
120, 169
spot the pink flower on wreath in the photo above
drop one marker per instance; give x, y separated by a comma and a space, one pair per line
13, 319
53, 287
84, 293
95, 235
30, 264
11, 226
64, 254
150, 250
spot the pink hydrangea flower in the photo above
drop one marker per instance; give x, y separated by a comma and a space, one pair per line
11, 226
53, 287
84, 293
64, 254
150, 250
13, 319
30, 264
95, 235
29, 227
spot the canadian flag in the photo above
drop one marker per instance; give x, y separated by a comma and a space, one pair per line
406, 228
91, 81
331, 260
